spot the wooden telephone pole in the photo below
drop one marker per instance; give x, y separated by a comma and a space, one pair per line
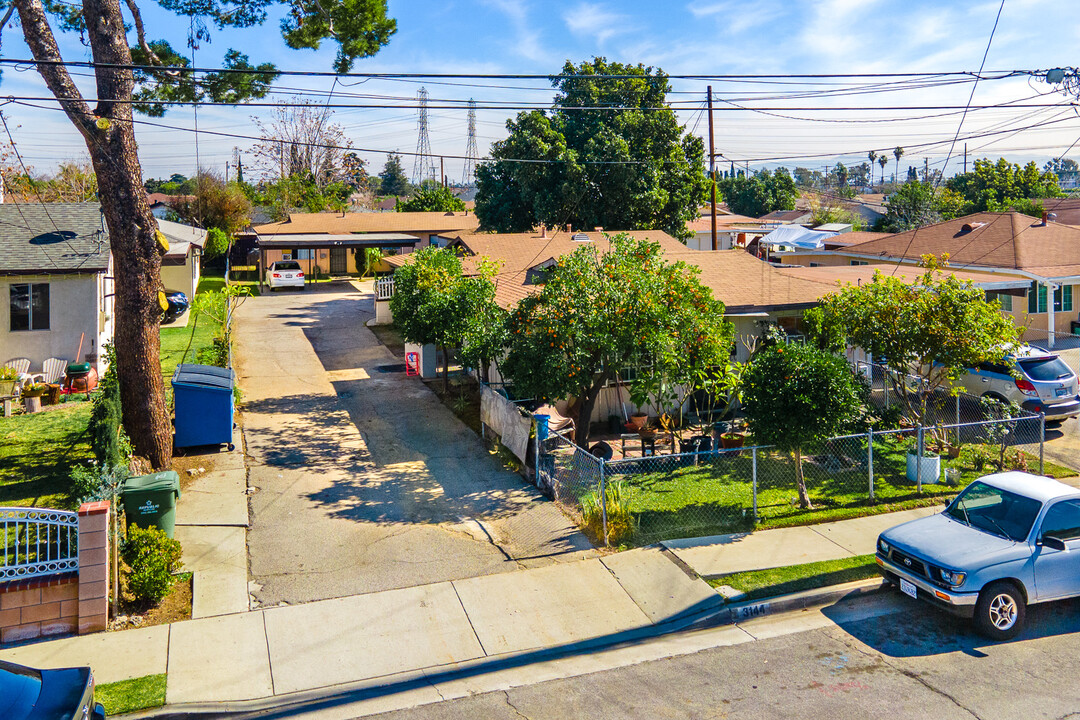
712, 170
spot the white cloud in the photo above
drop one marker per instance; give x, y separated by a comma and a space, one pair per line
526, 40
734, 17
592, 20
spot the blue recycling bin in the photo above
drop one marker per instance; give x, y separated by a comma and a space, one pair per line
203, 405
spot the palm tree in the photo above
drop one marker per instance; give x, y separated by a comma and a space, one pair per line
883, 160
873, 156
898, 152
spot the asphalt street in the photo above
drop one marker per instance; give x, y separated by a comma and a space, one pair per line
913, 663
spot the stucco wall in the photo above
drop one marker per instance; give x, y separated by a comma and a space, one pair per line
322, 259
76, 307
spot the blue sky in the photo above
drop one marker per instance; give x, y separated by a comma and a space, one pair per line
710, 36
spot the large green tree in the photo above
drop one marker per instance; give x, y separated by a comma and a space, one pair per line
359, 27
796, 396
759, 194
392, 179
435, 302
932, 329
600, 313
1002, 185
610, 154
431, 198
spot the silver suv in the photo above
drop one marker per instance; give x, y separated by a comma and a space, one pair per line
1035, 379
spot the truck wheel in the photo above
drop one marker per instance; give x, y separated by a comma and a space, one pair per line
1000, 611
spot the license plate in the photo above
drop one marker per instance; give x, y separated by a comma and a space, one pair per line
908, 588
288, 276
1061, 391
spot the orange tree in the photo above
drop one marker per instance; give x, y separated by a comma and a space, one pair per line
600, 313
932, 329
796, 396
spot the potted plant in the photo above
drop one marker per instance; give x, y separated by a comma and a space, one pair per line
32, 396
8, 377
732, 440
637, 422
928, 466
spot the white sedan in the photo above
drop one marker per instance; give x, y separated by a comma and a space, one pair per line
285, 273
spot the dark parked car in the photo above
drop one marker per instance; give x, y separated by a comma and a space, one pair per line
28, 694
177, 305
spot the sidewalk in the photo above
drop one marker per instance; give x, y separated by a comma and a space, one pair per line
303, 647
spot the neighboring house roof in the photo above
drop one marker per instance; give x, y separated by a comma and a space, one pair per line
338, 224
798, 236
994, 240
52, 238
788, 216
1066, 209
724, 221
857, 274
182, 238
854, 238
321, 240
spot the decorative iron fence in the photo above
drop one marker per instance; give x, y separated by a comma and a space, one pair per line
38, 542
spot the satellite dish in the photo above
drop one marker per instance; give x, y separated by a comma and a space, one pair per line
1055, 76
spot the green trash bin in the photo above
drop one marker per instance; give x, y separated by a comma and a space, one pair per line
150, 500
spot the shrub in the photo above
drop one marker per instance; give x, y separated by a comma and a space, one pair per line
107, 439
96, 482
620, 520
153, 558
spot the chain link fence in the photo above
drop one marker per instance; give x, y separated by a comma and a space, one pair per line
641, 500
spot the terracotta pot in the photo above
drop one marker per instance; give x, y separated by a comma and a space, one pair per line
638, 421
732, 440
954, 452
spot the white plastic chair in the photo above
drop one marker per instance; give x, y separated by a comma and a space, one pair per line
52, 370
21, 365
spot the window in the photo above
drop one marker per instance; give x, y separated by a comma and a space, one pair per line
814, 264
30, 307
1062, 521
1063, 299
859, 262
303, 254
1037, 298
1004, 298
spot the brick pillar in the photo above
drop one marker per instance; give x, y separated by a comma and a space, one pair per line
93, 566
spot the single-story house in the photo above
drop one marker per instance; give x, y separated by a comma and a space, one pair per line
788, 217
1043, 254
56, 285
334, 241
731, 231
180, 266
161, 205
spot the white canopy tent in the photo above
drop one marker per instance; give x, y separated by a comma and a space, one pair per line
797, 236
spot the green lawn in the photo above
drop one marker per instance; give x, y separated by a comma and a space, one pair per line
192, 338
37, 452
716, 497
130, 695
797, 578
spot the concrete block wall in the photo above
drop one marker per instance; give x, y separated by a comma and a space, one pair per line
67, 603
39, 608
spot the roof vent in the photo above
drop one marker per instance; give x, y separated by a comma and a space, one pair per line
968, 227
580, 237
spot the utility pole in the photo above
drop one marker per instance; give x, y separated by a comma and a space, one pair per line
965, 158
226, 172
712, 169
442, 169
926, 169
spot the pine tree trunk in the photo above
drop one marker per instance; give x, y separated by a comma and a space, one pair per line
804, 497
110, 139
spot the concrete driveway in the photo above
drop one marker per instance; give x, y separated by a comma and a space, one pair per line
361, 479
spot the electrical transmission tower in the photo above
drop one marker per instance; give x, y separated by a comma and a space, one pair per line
471, 153
424, 166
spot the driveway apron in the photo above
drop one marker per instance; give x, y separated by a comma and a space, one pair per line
361, 479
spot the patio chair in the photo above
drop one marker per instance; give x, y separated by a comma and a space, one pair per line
52, 370
21, 365
556, 420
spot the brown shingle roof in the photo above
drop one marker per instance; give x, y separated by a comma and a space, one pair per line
1003, 240
744, 283
855, 274
336, 224
704, 223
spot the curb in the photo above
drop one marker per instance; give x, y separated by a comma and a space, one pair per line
751, 609
411, 679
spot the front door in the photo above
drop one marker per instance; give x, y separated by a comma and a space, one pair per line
339, 261
1057, 573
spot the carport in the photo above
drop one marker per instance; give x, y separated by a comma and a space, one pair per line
330, 253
